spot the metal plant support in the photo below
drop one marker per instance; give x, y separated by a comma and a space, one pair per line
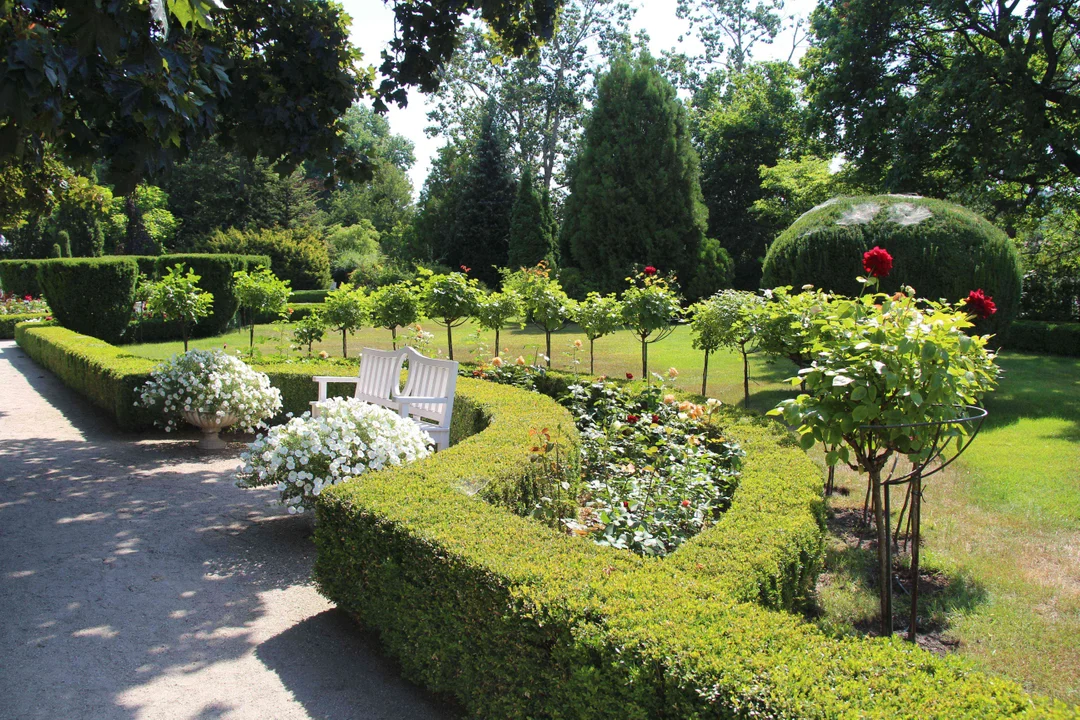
969, 415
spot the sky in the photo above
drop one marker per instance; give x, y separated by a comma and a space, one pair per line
373, 27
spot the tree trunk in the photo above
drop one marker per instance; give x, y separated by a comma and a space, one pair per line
498, 351
592, 367
705, 375
916, 510
746, 379
344, 343
884, 554
547, 337
645, 360
393, 337
450, 341
251, 336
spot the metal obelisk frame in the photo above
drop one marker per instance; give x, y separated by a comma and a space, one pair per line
936, 461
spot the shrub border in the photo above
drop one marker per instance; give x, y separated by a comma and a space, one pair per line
1055, 338
8, 323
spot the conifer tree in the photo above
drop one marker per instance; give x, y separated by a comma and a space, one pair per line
530, 227
482, 224
635, 198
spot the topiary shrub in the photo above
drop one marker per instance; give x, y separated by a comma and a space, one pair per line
941, 249
295, 255
8, 323
19, 277
93, 296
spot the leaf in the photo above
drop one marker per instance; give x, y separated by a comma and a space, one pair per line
841, 381
806, 441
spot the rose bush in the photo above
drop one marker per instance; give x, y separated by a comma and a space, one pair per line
11, 304
211, 382
308, 454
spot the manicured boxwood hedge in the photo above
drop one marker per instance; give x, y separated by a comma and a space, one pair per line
19, 277
94, 296
515, 620
8, 323
109, 376
1044, 337
308, 296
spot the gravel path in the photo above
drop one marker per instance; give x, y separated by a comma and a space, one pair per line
136, 581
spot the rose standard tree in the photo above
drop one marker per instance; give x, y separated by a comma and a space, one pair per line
892, 375
731, 319
650, 309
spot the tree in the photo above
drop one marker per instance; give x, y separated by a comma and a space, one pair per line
729, 319
451, 299
597, 316
394, 306
486, 200
792, 187
346, 310
754, 121
310, 329
260, 292
546, 305
941, 98
531, 239
729, 29
177, 297
495, 310
635, 195
433, 228
543, 97
650, 309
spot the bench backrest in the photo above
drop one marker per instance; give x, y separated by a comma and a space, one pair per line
380, 373
430, 378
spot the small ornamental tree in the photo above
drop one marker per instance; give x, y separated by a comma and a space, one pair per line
546, 305
347, 311
650, 309
177, 297
451, 299
731, 319
597, 316
494, 311
394, 306
787, 325
310, 329
260, 292
891, 375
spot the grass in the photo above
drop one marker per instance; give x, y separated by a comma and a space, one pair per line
1001, 527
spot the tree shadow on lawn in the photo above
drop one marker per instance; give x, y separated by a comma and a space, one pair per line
1036, 386
851, 570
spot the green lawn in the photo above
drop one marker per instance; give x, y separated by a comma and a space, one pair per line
1002, 526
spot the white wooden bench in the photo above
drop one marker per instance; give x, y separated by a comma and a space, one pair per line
428, 396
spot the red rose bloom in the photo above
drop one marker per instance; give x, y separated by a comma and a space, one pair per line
650, 270
979, 304
632, 419
656, 419
27, 298
629, 376
685, 503
877, 262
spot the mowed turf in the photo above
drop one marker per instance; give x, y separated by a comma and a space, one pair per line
1002, 526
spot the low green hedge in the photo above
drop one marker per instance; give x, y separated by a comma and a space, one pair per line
308, 296
299, 312
109, 376
1044, 337
8, 323
516, 620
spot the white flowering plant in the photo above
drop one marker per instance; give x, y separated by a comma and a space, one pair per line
309, 454
210, 382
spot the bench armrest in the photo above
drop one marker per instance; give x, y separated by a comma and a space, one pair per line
324, 380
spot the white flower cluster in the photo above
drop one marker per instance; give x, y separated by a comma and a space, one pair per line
212, 382
309, 454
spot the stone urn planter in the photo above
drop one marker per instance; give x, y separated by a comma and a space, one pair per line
210, 424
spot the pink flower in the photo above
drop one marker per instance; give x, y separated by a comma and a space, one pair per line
650, 270
980, 304
877, 262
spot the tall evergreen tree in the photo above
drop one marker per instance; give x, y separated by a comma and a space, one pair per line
482, 226
433, 228
531, 239
635, 197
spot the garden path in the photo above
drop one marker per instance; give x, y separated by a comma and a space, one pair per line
136, 581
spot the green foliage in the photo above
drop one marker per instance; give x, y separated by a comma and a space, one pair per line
650, 309
450, 299
433, 231
309, 329
787, 328
8, 322
92, 296
729, 319
598, 315
377, 271
29, 188
394, 306
177, 296
495, 310
295, 255
715, 270
351, 247
346, 309
940, 249
260, 291
308, 296
1044, 337
729, 29
531, 239
545, 304
635, 195
485, 202
792, 187
20, 277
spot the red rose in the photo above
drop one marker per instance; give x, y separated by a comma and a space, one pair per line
27, 298
629, 376
979, 304
877, 262
632, 419
656, 419
685, 503
650, 270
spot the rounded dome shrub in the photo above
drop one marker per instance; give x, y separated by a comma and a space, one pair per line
941, 249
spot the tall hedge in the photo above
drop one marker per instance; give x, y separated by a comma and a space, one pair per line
941, 249
295, 255
19, 277
93, 296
